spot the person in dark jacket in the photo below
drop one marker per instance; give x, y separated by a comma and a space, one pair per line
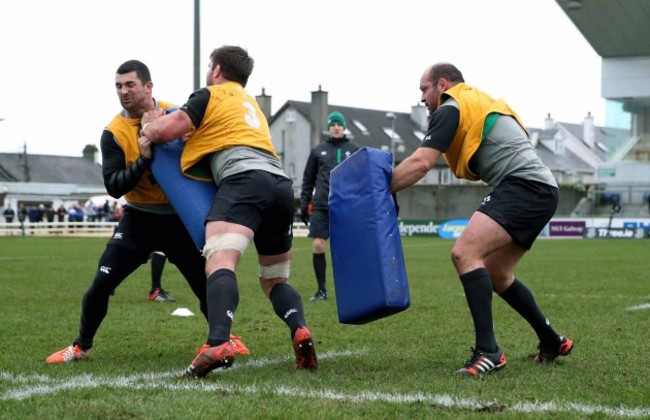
316, 188
61, 212
9, 214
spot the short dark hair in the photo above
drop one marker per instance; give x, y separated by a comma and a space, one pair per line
138, 67
235, 63
446, 70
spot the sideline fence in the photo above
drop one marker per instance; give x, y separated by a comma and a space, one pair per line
85, 228
57, 229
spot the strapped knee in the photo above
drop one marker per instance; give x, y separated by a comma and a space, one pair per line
222, 241
281, 269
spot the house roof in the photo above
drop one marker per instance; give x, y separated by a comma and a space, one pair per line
374, 124
19, 167
608, 143
566, 162
607, 139
369, 127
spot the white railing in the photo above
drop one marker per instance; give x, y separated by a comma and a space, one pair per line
57, 229
100, 229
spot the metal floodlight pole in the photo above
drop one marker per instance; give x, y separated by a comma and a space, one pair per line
197, 44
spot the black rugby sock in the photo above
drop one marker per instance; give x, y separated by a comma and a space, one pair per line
157, 265
320, 265
287, 305
223, 297
478, 292
521, 299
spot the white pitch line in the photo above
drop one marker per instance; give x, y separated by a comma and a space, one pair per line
638, 307
47, 385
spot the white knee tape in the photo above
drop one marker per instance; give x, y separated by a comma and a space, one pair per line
281, 269
236, 241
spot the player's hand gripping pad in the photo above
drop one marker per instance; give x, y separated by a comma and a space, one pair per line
191, 199
367, 259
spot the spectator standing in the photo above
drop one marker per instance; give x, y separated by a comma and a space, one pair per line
41, 212
91, 211
102, 211
33, 214
75, 213
116, 212
315, 190
49, 213
79, 211
72, 213
9, 213
61, 212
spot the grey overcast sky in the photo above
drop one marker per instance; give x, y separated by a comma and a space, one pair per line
58, 58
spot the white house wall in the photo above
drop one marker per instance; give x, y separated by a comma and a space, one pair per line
291, 132
626, 77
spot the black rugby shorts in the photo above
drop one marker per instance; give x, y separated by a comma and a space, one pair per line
261, 201
521, 207
319, 224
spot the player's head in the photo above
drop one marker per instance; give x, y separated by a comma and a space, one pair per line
336, 124
133, 85
435, 80
141, 70
234, 62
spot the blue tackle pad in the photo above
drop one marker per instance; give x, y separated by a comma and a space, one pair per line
367, 259
191, 199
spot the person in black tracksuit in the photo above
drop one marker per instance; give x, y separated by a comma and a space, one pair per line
315, 190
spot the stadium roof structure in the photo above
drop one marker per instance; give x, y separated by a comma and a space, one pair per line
613, 28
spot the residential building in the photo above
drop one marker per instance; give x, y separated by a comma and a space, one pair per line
43, 179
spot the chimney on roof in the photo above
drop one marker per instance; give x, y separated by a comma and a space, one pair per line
90, 153
264, 101
318, 114
419, 116
588, 131
549, 123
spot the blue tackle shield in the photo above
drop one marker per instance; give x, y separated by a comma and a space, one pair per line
367, 259
191, 199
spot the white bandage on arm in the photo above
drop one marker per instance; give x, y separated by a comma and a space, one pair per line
281, 269
235, 241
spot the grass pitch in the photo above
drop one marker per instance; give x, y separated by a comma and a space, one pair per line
595, 291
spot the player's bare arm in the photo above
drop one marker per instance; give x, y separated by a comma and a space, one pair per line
165, 128
413, 168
